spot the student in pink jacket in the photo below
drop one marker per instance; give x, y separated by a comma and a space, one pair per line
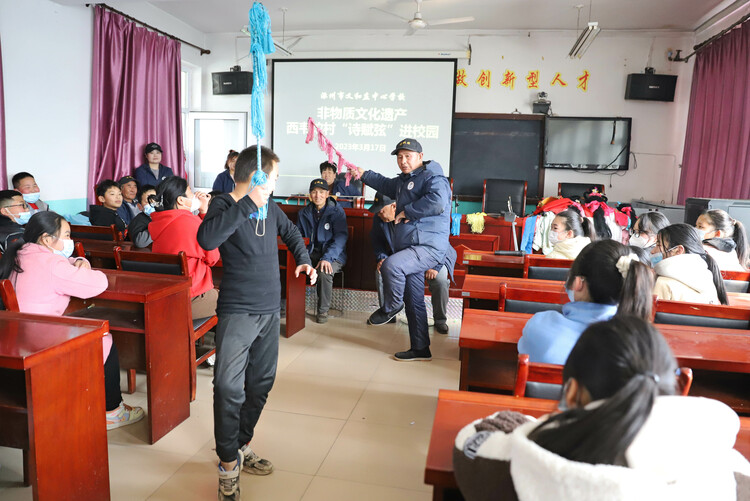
45, 275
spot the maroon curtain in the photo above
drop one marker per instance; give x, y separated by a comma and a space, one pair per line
3, 165
135, 99
716, 159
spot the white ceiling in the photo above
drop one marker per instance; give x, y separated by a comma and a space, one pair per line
221, 16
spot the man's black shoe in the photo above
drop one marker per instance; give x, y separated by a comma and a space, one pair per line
442, 328
414, 355
381, 317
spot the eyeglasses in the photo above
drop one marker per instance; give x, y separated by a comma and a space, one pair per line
634, 233
24, 205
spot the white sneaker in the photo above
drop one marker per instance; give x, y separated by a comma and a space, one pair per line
123, 416
252, 463
211, 361
229, 481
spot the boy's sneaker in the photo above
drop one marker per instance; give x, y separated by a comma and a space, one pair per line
229, 481
442, 328
381, 317
253, 463
413, 355
321, 318
123, 416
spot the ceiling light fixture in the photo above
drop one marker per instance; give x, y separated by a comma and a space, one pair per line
586, 37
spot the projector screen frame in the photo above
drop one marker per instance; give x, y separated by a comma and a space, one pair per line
445, 164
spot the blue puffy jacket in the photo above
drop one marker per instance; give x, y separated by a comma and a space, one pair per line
424, 197
330, 233
381, 236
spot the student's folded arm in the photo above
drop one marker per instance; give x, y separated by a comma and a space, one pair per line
432, 203
290, 235
378, 182
141, 239
336, 246
80, 282
222, 220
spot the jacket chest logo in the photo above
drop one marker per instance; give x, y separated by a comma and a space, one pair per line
410, 185
327, 226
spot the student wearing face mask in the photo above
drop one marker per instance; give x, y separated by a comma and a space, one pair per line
25, 184
174, 228
569, 234
684, 271
724, 239
606, 278
45, 276
138, 227
646, 227
15, 213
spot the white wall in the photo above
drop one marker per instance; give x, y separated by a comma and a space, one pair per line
47, 54
658, 128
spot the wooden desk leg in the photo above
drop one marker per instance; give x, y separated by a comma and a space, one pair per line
167, 363
463, 379
67, 426
295, 298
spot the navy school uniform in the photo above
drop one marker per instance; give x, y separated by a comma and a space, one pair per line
144, 175
224, 182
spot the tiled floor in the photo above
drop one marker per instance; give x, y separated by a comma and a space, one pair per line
343, 422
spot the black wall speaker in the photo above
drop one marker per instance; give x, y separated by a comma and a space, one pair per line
650, 87
232, 82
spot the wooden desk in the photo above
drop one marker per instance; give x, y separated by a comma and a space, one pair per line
483, 291
476, 241
489, 339
456, 409
52, 403
148, 317
101, 254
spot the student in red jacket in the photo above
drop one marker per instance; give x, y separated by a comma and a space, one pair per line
174, 228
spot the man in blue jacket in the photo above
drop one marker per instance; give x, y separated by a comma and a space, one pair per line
438, 278
323, 221
421, 214
337, 187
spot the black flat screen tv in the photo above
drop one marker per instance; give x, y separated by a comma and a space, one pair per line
587, 143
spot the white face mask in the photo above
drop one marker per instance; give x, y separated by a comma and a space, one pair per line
31, 198
640, 241
554, 238
67, 250
701, 234
195, 204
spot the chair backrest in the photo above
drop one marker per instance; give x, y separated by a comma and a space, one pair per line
522, 300
152, 262
574, 190
8, 296
701, 315
496, 192
736, 281
544, 268
108, 233
535, 380
684, 380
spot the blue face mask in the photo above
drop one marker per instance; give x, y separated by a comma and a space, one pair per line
571, 294
67, 250
31, 198
23, 217
656, 258
148, 210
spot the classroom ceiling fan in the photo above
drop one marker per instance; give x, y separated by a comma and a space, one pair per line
419, 23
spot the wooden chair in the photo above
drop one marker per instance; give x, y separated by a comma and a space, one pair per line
684, 380
168, 264
529, 300
95, 232
548, 379
495, 193
543, 268
736, 281
8, 296
700, 315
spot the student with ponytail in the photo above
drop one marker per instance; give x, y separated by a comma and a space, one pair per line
45, 275
622, 434
684, 270
646, 227
174, 228
605, 279
724, 239
569, 234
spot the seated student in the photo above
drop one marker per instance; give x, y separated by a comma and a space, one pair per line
324, 223
438, 278
152, 172
646, 227
45, 276
724, 239
26, 185
606, 278
622, 433
129, 208
108, 193
684, 270
569, 234
224, 182
138, 227
174, 228
14, 212
337, 187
